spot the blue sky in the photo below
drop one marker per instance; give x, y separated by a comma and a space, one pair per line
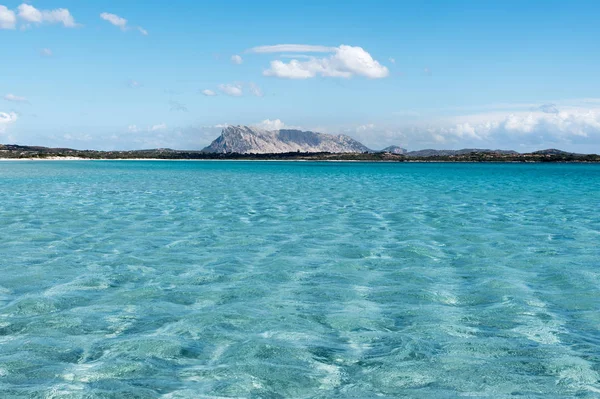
437, 74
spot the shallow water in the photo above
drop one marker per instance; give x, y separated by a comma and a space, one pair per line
306, 280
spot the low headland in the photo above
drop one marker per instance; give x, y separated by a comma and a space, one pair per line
18, 152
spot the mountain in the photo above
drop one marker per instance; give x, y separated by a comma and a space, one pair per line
246, 140
394, 149
464, 151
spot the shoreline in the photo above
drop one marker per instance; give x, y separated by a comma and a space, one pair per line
290, 160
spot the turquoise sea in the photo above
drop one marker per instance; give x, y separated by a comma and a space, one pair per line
141, 279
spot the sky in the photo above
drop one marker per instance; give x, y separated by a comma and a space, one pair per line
113, 74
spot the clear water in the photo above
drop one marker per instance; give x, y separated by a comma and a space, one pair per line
303, 280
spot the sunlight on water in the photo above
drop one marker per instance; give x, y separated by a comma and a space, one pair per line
321, 280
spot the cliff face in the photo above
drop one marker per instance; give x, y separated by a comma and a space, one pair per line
245, 140
394, 149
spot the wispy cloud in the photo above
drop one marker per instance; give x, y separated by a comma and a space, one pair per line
15, 99
46, 52
133, 129
269, 124
7, 118
115, 20
134, 84
177, 106
120, 22
255, 90
159, 127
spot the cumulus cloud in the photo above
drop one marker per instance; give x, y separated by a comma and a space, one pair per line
7, 118
540, 128
234, 90
208, 93
345, 62
120, 22
15, 99
291, 48
133, 129
236, 59
60, 16
8, 19
574, 127
269, 124
32, 16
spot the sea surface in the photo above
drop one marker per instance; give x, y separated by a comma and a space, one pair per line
141, 279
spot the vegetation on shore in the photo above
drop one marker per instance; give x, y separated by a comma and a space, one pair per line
28, 152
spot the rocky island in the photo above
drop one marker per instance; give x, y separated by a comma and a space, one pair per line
251, 143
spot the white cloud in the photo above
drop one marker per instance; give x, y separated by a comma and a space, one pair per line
30, 14
392, 60
61, 15
234, 90
8, 19
291, 48
161, 126
236, 59
121, 22
7, 119
208, 93
573, 124
46, 52
221, 125
15, 99
363, 128
255, 90
115, 20
134, 84
268, 124
345, 62
133, 129
575, 127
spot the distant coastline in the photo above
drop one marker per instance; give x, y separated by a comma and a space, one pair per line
16, 152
